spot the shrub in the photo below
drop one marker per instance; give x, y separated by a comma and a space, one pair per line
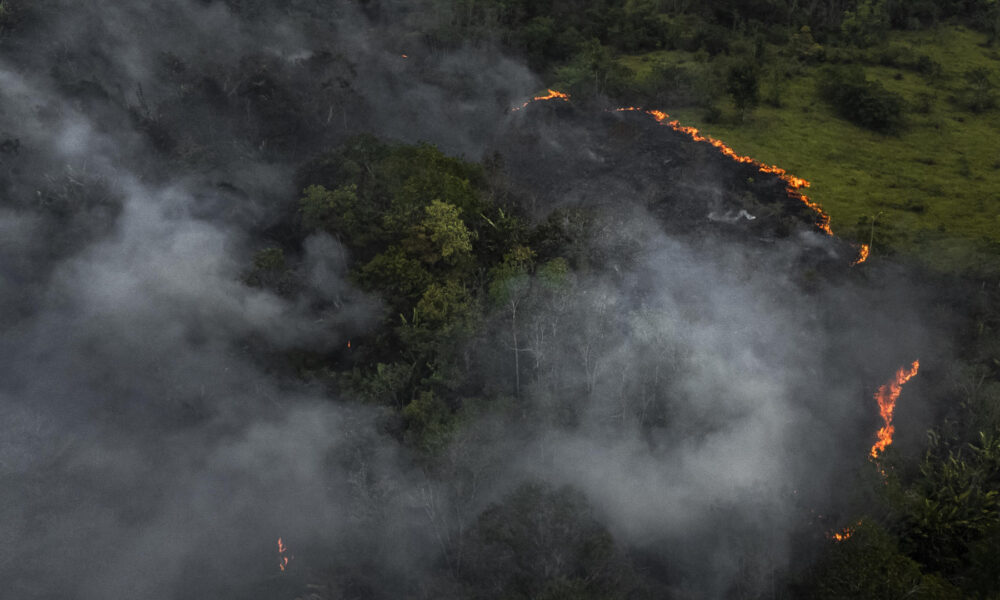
594, 72
743, 84
865, 25
863, 102
805, 47
954, 506
979, 94
927, 66
774, 86
712, 114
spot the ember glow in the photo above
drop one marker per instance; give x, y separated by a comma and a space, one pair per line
886, 397
282, 557
863, 251
793, 183
843, 534
549, 95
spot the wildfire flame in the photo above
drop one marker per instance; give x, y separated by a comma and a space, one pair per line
886, 398
863, 251
282, 559
844, 534
549, 95
793, 183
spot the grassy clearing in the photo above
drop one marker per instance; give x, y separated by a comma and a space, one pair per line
934, 190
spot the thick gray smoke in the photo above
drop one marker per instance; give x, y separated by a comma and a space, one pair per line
706, 405
692, 391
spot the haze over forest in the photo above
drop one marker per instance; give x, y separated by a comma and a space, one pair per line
365, 299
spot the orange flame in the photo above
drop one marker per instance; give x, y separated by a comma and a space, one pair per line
886, 398
844, 534
550, 95
863, 251
793, 183
282, 560
404, 56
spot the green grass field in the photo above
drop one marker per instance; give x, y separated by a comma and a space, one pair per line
933, 190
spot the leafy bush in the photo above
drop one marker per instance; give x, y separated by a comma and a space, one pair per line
804, 47
866, 24
979, 94
954, 508
743, 85
594, 72
544, 42
863, 102
927, 66
271, 271
870, 565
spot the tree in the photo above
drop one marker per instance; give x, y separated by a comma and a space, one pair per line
538, 38
511, 281
867, 24
429, 421
445, 304
865, 103
869, 566
332, 211
442, 235
955, 503
594, 71
805, 47
979, 94
991, 19
271, 271
742, 83
540, 542
401, 278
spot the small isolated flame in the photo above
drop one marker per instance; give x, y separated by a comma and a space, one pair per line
793, 183
843, 534
404, 56
886, 398
348, 344
549, 95
863, 251
282, 558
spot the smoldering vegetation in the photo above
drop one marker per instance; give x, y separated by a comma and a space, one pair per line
672, 415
